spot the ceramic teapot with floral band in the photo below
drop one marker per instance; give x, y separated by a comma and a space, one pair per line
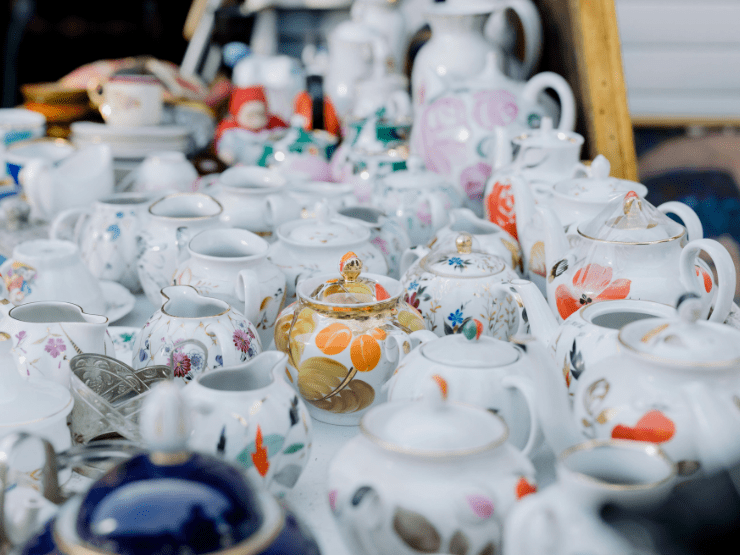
632, 250
427, 476
345, 336
674, 382
451, 287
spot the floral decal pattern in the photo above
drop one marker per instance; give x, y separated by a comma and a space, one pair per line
591, 283
499, 206
18, 278
456, 262
473, 180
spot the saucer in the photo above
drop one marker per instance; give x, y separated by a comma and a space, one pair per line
123, 338
118, 300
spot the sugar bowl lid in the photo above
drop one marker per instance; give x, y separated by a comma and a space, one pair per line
470, 350
350, 289
598, 185
548, 137
685, 340
631, 219
322, 231
415, 176
433, 426
464, 261
170, 500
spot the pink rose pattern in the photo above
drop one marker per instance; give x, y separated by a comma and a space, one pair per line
473, 180
492, 108
55, 347
442, 124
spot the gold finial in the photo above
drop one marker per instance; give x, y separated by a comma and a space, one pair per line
464, 243
350, 267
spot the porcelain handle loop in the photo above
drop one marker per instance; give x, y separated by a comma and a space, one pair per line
724, 292
524, 385
410, 256
550, 80
691, 221
82, 214
521, 533
248, 290
529, 16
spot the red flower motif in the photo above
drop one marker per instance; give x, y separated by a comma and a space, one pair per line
523, 487
654, 427
473, 180
592, 283
708, 281
242, 341
182, 365
412, 300
500, 207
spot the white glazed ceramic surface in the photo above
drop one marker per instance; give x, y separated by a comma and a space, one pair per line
564, 518
243, 411
432, 493
193, 333
123, 338
20, 124
106, 233
46, 335
232, 265
130, 100
451, 289
50, 270
165, 171
45, 148
307, 195
162, 241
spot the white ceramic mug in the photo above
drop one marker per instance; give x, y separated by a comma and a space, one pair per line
129, 100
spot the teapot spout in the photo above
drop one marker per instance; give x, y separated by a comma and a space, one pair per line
551, 393
542, 321
556, 243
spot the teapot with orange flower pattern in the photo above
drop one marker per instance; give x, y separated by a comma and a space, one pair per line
674, 382
632, 250
344, 336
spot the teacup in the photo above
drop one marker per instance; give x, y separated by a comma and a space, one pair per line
50, 270
21, 153
129, 100
19, 124
106, 234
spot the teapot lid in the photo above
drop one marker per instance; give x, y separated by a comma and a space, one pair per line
323, 231
171, 500
415, 176
547, 136
684, 341
631, 219
433, 426
469, 350
464, 261
350, 289
23, 402
598, 186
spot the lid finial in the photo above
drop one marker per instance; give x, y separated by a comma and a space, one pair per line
464, 243
166, 424
350, 266
689, 307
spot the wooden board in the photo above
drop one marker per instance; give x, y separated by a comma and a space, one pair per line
582, 43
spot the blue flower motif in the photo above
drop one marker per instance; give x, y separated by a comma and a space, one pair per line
455, 261
115, 231
142, 355
456, 317
413, 285
119, 214
219, 360
196, 361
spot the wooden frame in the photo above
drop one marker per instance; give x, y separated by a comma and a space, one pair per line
581, 42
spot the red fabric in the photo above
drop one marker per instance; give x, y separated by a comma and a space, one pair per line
239, 96
304, 107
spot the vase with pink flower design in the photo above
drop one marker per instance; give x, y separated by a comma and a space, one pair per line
193, 333
633, 250
454, 128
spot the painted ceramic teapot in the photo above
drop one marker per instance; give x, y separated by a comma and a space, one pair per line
674, 382
232, 265
227, 425
573, 200
631, 250
308, 247
345, 336
450, 287
203, 503
193, 333
586, 336
453, 478
480, 371
454, 129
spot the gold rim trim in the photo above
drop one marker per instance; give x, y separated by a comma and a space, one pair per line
188, 218
650, 449
632, 242
52, 415
170, 459
430, 454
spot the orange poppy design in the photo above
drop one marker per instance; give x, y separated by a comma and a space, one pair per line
442, 383
333, 339
380, 293
537, 259
365, 353
524, 488
654, 427
345, 258
378, 333
708, 281
500, 207
259, 457
591, 284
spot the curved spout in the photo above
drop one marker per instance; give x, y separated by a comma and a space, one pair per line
553, 401
556, 243
539, 315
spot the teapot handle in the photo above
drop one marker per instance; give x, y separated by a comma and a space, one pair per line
524, 385
521, 527
248, 290
437, 210
726, 273
36, 181
281, 209
691, 221
548, 79
81, 213
411, 255
529, 16
415, 338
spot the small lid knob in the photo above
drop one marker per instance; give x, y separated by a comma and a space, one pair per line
546, 124
472, 329
690, 307
464, 243
350, 266
600, 167
165, 423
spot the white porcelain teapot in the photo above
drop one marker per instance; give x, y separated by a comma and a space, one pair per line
674, 382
